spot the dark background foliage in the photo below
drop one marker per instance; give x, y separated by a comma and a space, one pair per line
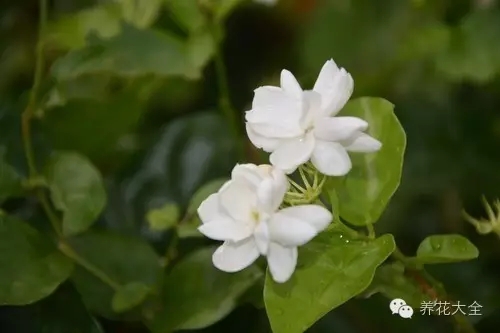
158, 138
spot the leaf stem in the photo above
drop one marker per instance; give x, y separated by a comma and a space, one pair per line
464, 326
69, 252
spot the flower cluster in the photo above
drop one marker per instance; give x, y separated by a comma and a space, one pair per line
296, 127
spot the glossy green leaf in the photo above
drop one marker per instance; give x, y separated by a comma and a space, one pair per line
10, 180
129, 296
437, 249
199, 294
163, 218
366, 190
331, 270
182, 156
31, 267
391, 282
204, 192
76, 189
124, 260
132, 53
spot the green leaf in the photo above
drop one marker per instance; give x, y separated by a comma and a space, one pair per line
331, 270
32, 268
197, 294
473, 52
134, 52
129, 296
123, 259
76, 189
141, 13
70, 31
187, 14
61, 312
200, 48
10, 180
374, 177
446, 248
204, 192
391, 282
163, 218
223, 8
189, 228
109, 119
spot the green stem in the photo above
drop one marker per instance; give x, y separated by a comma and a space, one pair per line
171, 251
69, 252
371, 231
462, 323
224, 97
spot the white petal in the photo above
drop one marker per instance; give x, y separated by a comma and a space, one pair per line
233, 257
209, 208
362, 143
261, 236
289, 155
282, 262
315, 215
247, 172
330, 158
289, 84
238, 200
311, 107
338, 128
273, 109
223, 229
289, 231
261, 142
275, 129
271, 192
335, 86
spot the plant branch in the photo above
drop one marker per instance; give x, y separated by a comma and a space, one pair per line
69, 252
225, 104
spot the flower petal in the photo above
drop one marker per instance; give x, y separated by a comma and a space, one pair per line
271, 191
265, 143
277, 130
261, 236
238, 200
338, 128
247, 172
289, 155
290, 231
275, 113
330, 158
209, 208
289, 84
362, 143
335, 86
224, 229
234, 256
282, 262
311, 107
315, 215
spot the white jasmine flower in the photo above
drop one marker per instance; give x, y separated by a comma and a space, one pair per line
296, 126
245, 215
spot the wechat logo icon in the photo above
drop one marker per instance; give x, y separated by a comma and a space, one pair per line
399, 306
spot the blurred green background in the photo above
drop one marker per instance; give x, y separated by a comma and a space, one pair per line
158, 137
